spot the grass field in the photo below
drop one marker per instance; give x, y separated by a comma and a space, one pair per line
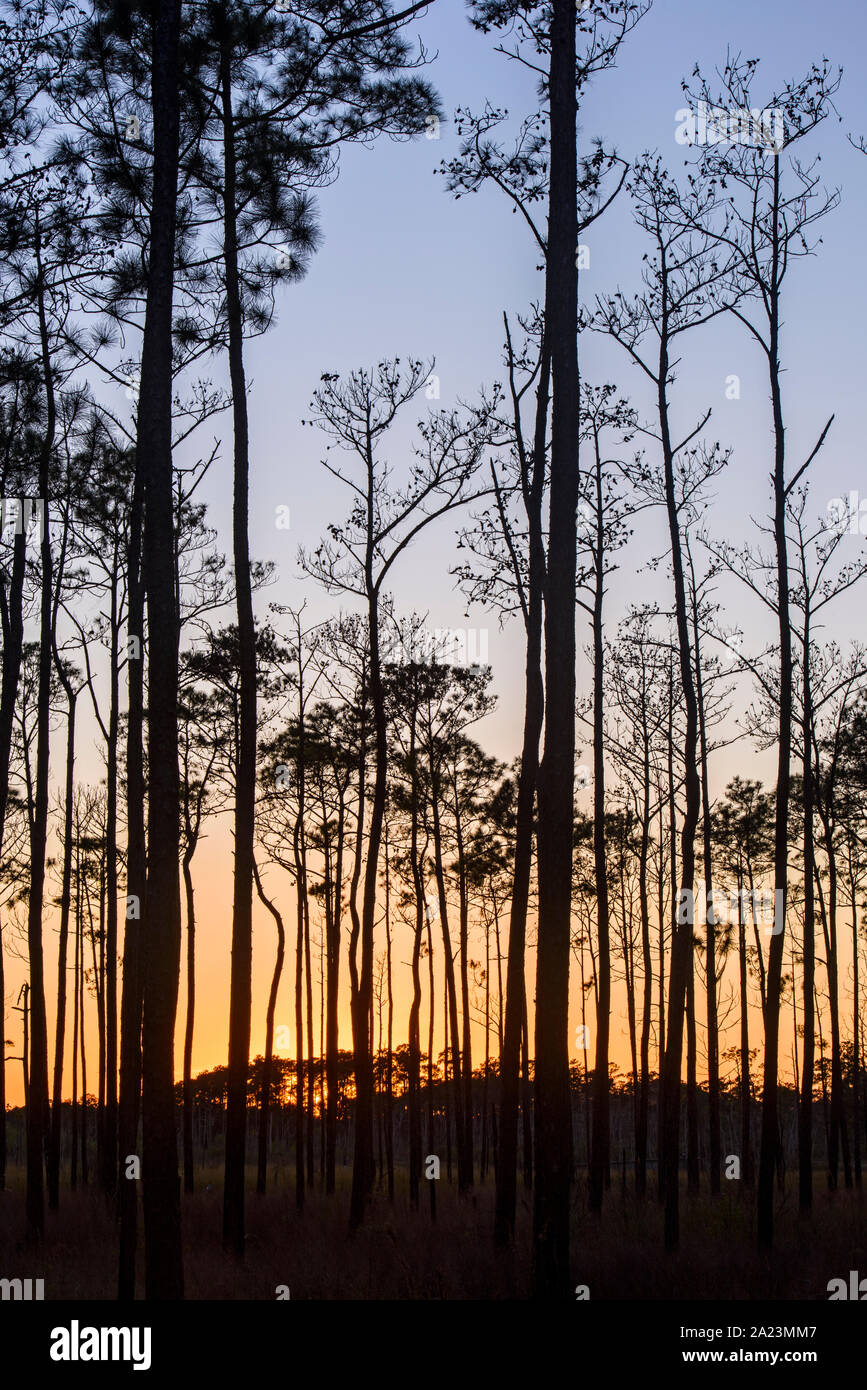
401, 1254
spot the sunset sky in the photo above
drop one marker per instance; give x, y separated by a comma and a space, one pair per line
405, 270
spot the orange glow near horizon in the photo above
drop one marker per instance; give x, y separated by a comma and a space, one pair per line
212, 867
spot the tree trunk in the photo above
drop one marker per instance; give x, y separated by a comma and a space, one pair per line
81, 1022
73, 1166
746, 1087
389, 1079
839, 1128
414, 1059
856, 1035
805, 1108
466, 1141
526, 1103
65, 903
245, 779
483, 1157
300, 894
359, 1027
99, 980
133, 981
108, 1174
362, 1161
164, 1277
37, 1108
432, 1187
331, 1017
534, 708
189, 1024
601, 1140
267, 1067
713, 1090
660, 998
647, 966
770, 1134
683, 917
311, 1041
448, 974
553, 1120
692, 1158
11, 611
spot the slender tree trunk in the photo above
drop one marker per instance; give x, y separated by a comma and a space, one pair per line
268, 1063
358, 1024
414, 1059
447, 1094
673, 901
99, 986
601, 1140
805, 1108
684, 916
164, 1277
362, 1164
24, 1010
553, 1120
363, 1157
660, 1000
692, 1157
189, 1023
311, 1041
647, 966
322, 937
73, 1166
245, 781
526, 1103
300, 894
431, 1138
389, 1079
37, 1109
63, 938
839, 1129
81, 1023
534, 707
11, 612
746, 1086
628, 942
448, 976
770, 1134
133, 981
823, 1072
500, 1011
466, 1140
856, 1035
713, 1089
331, 1017
483, 1158
108, 1175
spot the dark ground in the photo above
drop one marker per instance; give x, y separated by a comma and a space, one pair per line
404, 1255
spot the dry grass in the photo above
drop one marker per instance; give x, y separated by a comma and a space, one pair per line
401, 1254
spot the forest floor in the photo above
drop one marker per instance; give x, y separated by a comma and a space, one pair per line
400, 1254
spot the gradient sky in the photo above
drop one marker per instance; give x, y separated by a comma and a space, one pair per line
405, 270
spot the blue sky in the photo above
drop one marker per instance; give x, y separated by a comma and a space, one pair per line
406, 270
